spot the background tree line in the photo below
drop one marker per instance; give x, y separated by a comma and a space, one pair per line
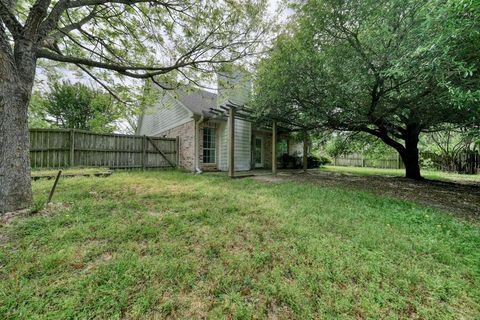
74, 106
447, 150
83, 106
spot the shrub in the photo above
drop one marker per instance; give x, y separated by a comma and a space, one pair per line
287, 161
324, 160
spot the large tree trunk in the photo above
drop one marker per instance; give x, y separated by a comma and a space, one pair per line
16, 81
411, 158
408, 152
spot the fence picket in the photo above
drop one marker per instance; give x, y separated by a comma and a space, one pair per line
468, 162
60, 148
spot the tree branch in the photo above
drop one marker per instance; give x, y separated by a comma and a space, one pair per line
126, 70
382, 134
5, 47
43, 53
35, 17
54, 17
9, 19
75, 25
100, 82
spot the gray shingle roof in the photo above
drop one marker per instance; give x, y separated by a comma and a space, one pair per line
197, 100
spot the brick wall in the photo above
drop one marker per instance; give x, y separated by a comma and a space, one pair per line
186, 133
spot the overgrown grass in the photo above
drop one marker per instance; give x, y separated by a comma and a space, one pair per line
171, 244
429, 174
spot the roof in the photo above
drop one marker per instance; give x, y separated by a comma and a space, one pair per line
198, 100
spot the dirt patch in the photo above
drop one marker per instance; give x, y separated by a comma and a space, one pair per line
461, 199
7, 217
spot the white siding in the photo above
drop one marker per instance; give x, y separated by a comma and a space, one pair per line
243, 146
235, 87
223, 147
166, 114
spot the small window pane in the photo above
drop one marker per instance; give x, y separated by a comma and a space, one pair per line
209, 144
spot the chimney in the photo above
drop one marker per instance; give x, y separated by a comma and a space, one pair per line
233, 85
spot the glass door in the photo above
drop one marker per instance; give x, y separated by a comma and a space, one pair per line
259, 152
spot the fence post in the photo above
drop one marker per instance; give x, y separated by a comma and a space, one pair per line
72, 147
144, 139
177, 151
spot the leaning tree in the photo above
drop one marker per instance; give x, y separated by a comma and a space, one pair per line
390, 68
144, 39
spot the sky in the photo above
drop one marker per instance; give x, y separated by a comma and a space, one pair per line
273, 5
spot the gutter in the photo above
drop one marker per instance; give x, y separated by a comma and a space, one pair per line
196, 137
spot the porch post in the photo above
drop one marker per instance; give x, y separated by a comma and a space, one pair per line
274, 147
231, 145
305, 151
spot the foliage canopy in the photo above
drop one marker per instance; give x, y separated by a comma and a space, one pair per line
76, 106
392, 69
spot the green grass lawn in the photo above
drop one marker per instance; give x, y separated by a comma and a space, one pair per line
170, 244
429, 174
79, 170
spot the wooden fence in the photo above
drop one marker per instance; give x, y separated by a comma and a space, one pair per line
62, 148
464, 162
359, 161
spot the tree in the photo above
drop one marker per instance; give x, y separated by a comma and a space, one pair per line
446, 147
36, 112
77, 106
390, 68
143, 39
344, 143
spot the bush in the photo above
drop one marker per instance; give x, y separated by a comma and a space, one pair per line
313, 162
325, 160
427, 163
287, 161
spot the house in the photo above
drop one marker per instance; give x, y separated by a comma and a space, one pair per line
204, 138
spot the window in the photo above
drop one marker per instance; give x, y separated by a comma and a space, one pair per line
209, 145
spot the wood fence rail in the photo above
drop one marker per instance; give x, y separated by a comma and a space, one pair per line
359, 161
63, 148
466, 162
